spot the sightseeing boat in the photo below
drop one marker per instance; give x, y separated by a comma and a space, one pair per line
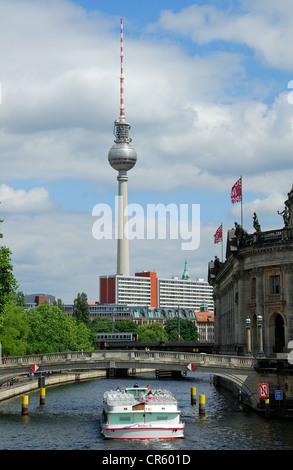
140, 413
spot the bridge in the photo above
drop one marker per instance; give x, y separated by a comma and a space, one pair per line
245, 372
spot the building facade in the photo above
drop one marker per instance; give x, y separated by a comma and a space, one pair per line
253, 290
146, 289
145, 299
140, 289
34, 300
184, 293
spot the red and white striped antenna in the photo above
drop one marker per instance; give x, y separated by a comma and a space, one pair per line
122, 110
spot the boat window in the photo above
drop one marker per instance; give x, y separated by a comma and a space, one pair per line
124, 418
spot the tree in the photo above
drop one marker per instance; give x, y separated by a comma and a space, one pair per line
14, 330
187, 329
81, 308
51, 330
101, 325
125, 326
153, 332
19, 299
59, 304
8, 284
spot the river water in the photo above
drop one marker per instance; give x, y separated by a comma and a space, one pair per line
70, 420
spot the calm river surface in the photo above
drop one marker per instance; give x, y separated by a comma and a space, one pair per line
70, 420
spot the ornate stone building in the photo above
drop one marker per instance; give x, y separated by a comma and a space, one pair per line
253, 289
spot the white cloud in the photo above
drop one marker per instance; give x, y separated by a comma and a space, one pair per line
263, 207
263, 25
33, 200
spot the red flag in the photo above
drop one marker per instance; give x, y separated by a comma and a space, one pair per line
218, 237
236, 191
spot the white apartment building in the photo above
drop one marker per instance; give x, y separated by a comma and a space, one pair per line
129, 290
185, 293
145, 289
133, 290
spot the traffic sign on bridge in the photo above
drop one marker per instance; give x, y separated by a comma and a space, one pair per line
263, 390
278, 395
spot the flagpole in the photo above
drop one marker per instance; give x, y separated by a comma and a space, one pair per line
241, 203
222, 244
218, 237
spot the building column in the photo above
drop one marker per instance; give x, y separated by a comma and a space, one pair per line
248, 336
259, 305
288, 297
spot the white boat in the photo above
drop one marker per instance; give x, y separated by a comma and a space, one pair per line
139, 413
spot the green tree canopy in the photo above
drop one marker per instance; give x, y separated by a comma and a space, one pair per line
101, 325
59, 304
153, 332
81, 308
14, 330
187, 330
8, 284
125, 325
51, 330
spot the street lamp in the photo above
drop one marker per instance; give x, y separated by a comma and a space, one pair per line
260, 335
248, 336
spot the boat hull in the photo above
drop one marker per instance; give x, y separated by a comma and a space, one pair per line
142, 432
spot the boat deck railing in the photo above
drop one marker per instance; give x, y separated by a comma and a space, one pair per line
120, 397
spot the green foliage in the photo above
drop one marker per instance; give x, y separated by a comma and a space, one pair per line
104, 325
153, 332
125, 325
59, 304
14, 330
101, 325
81, 308
8, 284
187, 330
51, 330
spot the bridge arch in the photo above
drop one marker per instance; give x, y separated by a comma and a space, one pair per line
236, 369
240, 382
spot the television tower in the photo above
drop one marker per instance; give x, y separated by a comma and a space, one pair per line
122, 157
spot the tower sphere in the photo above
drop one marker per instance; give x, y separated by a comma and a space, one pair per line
122, 156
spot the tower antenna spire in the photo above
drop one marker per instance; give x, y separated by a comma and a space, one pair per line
122, 110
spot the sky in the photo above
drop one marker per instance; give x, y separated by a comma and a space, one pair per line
208, 94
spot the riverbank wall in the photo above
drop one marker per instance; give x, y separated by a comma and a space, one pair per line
21, 386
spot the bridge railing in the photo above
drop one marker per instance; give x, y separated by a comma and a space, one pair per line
48, 357
198, 358
212, 360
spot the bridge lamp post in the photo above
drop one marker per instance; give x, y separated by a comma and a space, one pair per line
260, 335
248, 336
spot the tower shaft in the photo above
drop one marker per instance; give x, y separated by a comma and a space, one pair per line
122, 241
